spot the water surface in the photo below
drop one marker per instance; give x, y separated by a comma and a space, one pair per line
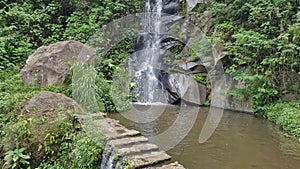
241, 141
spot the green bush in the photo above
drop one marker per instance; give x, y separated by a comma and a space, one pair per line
286, 115
16, 159
117, 56
84, 86
41, 133
26, 24
200, 78
13, 96
261, 39
91, 90
47, 141
80, 152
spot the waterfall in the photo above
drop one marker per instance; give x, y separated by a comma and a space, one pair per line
149, 89
108, 159
146, 64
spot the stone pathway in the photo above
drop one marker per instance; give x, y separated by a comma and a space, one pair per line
132, 146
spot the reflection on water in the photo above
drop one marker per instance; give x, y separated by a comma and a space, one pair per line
241, 141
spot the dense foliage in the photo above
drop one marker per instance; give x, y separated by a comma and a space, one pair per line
286, 115
28, 24
30, 141
24, 26
262, 39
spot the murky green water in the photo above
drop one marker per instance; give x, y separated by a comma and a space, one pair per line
241, 141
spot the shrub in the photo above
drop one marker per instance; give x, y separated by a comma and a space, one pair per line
260, 38
90, 89
13, 96
16, 159
26, 24
41, 133
286, 115
80, 152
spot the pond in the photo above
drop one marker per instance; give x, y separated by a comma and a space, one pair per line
241, 141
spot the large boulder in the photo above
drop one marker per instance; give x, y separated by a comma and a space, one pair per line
48, 102
50, 65
185, 88
49, 119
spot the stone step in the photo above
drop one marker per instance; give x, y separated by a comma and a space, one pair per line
137, 149
174, 165
113, 130
129, 144
126, 133
127, 141
148, 159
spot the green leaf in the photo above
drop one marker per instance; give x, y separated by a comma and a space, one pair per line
16, 157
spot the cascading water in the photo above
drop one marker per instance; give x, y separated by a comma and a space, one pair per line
146, 64
157, 81
109, 160
149, 89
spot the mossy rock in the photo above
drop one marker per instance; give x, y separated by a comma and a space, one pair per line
45, 122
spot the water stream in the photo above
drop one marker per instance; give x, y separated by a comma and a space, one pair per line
241, 141
110, 160
149, 88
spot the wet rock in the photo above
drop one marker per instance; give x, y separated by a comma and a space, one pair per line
194, 67
170, 20
184, 87
148, 159
113, 130
138, 149
170, 6
191, 4
141, 40
127, 141
50, 65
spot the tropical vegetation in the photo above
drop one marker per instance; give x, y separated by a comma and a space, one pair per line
261, 39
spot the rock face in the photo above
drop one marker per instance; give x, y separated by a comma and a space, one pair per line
184, 87
191, 4
203, 21
235, 103
170, 6
49, 101
50, 65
